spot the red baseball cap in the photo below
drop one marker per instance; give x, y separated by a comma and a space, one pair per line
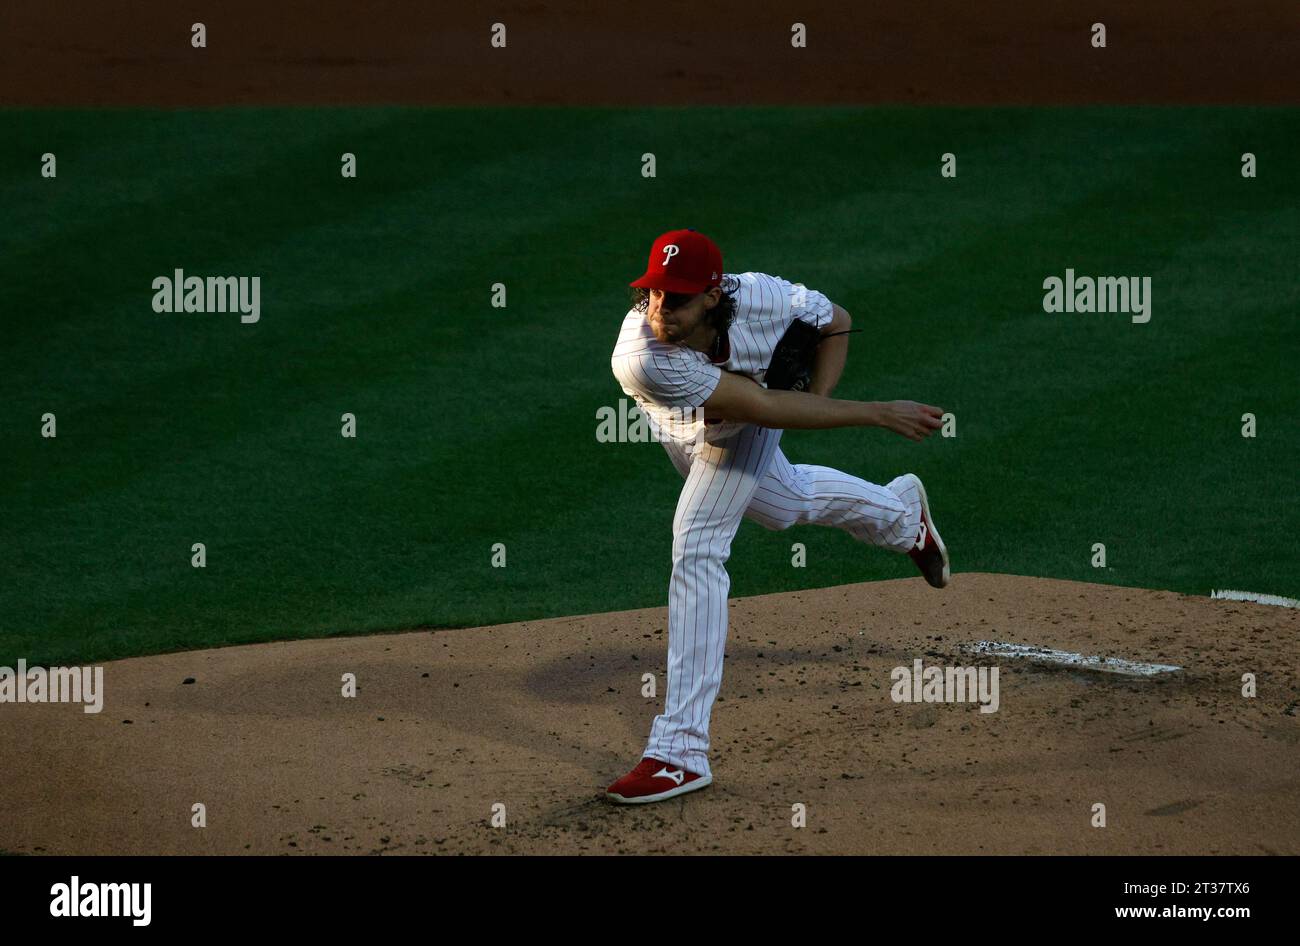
682, 261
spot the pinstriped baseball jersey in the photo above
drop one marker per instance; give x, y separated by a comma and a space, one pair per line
669, 382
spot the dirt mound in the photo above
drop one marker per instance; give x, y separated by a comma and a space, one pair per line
539, 716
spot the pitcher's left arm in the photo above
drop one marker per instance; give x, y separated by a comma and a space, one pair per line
828, 365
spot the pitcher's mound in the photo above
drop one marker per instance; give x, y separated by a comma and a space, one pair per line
450, 731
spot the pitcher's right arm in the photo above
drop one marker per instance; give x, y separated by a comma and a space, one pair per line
740, 399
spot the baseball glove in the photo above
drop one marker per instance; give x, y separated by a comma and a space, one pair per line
793, 357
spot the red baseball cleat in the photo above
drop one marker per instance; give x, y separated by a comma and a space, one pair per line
929, 554
653, 780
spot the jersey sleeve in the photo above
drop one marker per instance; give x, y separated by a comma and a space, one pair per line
667, 378
779, 301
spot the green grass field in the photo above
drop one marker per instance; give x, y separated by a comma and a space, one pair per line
476, 425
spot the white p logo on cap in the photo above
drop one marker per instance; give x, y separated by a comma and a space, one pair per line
670, 251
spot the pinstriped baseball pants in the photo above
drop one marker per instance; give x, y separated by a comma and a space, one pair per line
746, 476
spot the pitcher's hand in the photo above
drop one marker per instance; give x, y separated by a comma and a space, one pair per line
913, 420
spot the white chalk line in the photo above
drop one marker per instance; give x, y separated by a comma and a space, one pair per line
1067, 658
1255, 597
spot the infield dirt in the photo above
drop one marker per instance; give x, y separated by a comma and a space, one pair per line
540, 716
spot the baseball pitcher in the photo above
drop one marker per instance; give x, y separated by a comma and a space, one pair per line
719, 365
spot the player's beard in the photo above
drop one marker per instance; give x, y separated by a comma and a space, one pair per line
663, 332
675, 334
